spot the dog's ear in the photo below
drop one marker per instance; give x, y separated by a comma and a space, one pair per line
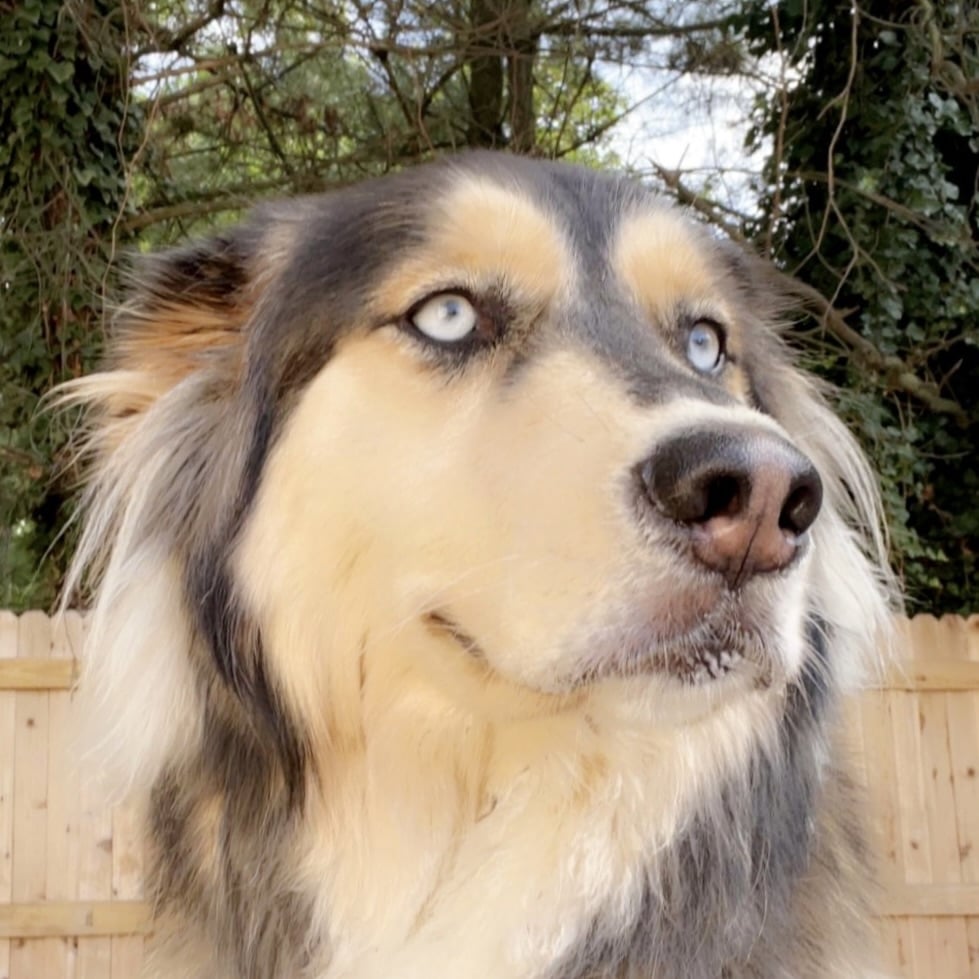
187, 312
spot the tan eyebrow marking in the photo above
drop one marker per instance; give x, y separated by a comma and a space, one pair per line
668, 267
481, 231
661, 260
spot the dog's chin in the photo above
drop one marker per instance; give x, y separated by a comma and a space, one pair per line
726, 644
734, 637
716, 642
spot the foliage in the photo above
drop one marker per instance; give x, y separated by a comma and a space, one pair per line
144, 121
65, 124
296, 97
872, 197
124, 120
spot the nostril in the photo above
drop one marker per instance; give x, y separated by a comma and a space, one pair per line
745, 497
725, 497
802, 504
685, 490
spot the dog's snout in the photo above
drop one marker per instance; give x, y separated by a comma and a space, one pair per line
745, 497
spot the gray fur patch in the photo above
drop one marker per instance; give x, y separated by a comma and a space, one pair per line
723, 902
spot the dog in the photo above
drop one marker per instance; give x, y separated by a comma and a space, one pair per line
475, 584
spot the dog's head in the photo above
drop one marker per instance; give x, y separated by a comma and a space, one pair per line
506, 435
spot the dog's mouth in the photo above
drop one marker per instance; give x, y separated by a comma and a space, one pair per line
703, 665
440, 622
725, 642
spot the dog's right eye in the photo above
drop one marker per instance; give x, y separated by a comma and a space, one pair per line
445, 318
705, 346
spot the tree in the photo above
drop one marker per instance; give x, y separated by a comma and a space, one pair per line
255, 98
149, 120
67, 132
871, 196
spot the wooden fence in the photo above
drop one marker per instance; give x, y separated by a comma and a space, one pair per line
70, 869
918, 738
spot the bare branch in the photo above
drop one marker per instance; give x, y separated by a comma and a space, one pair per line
896, 373
596, 27
264, 122
778, 150
232, 199
164, 40
197, 65
720, 215
35, 464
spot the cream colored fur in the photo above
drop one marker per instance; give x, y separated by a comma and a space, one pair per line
437, 807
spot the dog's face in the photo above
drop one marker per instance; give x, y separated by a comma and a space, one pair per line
520, 431
518, 440
472, 517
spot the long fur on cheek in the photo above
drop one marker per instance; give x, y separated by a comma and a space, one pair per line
852, 586
142, 676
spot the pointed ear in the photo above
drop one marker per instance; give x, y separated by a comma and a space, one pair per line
187, 312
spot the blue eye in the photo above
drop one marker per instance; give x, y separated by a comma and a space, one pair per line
705, 347
446, 318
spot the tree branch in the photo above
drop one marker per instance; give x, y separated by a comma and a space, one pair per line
25, 460
263, 120
583, 27
718, 214
175, 40
229, 200
897, 374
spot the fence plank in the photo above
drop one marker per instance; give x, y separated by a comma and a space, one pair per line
933, 675
972, 928
71, 867
30, 960
947, 674
951, 947
62, 814
95, 871
970, 629
127, 884
32, 673
49, 919
9, 628
906, 722
932, 900
874, 718
963, 745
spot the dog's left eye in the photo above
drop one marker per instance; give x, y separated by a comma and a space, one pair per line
705, 346
446, 318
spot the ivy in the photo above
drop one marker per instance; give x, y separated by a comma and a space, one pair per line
878, 190
869, 195
66, 132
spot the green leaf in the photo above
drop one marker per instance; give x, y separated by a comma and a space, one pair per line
60, 71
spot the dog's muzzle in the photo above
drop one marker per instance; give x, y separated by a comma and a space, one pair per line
742, 497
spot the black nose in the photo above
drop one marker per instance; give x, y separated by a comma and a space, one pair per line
744, 496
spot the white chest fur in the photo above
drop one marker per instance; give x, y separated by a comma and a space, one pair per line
490, 852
